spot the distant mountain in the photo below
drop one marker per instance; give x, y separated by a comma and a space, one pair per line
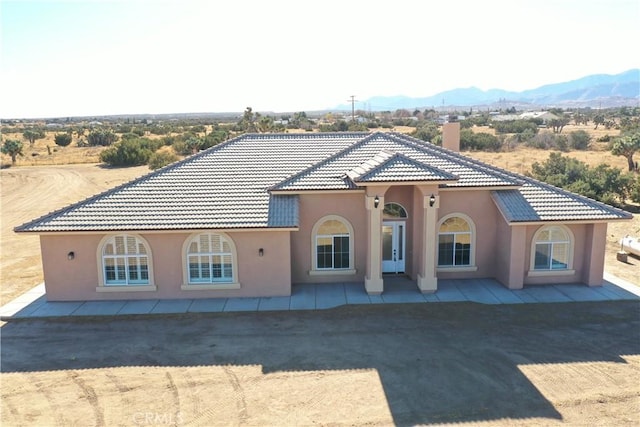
598, 90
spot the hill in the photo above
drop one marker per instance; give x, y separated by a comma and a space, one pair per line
598, 90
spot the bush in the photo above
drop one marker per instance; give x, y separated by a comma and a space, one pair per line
603, 182
579, 140
101, 137
129, 152
161, 159
62, 139
470, 140
515, 126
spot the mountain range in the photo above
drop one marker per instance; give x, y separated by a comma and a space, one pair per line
597, 91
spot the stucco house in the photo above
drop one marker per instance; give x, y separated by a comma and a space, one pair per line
258, 213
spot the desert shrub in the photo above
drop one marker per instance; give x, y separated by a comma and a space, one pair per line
579, 140
160, 159
515, 126
62, 139
604, 138
427, 132
603, 182
128, 152
101, 137
481, 141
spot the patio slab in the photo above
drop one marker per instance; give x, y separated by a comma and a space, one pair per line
317, 296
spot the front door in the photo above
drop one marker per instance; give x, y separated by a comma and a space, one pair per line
393, 249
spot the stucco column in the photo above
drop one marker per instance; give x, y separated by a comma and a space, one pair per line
595, 245
373, 283
428, 282
517, 261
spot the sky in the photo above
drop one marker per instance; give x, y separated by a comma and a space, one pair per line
90, 58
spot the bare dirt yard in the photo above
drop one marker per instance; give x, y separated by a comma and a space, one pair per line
575, 364
29, 192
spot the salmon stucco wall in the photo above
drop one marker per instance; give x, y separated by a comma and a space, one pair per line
479, 206
77, 279
580, 244
350, 206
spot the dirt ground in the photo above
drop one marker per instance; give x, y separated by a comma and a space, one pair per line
571, 364
29, 192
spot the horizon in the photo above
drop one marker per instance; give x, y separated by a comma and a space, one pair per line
108, 58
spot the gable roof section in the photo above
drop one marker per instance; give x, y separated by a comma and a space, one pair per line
252, 182
330, 174
389, 167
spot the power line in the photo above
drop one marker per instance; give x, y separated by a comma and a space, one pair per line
353, 110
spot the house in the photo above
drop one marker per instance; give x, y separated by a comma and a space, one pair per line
258, 213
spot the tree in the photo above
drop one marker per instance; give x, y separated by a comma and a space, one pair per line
265, 124
13, 148
603, 182
598, 119
558, 124
32, 134
626, 146
62, 139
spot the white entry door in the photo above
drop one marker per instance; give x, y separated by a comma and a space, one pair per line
393, 247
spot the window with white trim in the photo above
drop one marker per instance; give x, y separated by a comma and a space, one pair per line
552, 248
333, 246
455, 242
210, 259
125, 261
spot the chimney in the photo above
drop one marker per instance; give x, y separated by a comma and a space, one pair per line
451, 136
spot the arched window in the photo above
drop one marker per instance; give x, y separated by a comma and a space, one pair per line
211, 259
552, 248
332, 244
394, 211
456, 241
125, 261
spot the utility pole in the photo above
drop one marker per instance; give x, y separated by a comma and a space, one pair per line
353, 110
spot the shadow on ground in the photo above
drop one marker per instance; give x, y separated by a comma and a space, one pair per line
437, 363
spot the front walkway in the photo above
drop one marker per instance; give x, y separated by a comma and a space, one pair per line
33, 304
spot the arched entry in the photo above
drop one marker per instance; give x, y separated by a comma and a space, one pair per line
394, 238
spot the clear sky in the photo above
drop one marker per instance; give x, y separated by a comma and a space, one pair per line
83, 58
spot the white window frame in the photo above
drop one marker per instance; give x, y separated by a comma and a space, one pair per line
472, 241
231, 283
568, 270
314, 247
127, 285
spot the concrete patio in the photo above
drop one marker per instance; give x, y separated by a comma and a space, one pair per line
33, 304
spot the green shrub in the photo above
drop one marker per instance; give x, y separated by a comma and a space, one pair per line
129, 152
161, 159
62, 139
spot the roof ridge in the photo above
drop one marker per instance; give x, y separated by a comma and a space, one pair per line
404, 158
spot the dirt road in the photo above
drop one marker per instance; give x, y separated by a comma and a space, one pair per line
572, 364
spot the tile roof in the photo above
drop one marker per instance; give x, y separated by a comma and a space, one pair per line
252, 182
389, 167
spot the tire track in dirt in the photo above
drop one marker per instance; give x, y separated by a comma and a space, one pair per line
176, 398
46, 392
91, 396
241, 401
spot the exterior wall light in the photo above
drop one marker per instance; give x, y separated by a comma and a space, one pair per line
260, 252
432, 200
376, 202
71, 255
